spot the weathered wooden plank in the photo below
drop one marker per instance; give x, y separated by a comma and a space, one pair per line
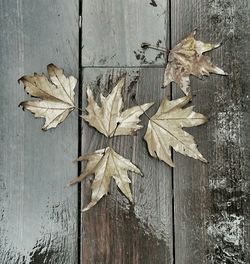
113, 31
115, 231
211, 216
38, 219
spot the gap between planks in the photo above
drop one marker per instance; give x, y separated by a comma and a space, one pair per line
79, 149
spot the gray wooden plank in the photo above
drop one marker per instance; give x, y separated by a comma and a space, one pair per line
115, 231
113, 31
211, 213
38, 219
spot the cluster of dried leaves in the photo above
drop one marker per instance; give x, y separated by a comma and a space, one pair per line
56, 100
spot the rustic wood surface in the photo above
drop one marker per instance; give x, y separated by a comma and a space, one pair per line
195, 213
113, 31
38, 219
211, 211
114, 230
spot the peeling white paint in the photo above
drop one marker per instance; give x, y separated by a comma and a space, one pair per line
217, 183
225, 10
228, 228
228, 124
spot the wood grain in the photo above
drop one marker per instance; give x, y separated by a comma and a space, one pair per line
113, 31
211, 214
38, 219
115, 231
195, 213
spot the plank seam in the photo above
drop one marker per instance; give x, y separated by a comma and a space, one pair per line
172, 152
79, 167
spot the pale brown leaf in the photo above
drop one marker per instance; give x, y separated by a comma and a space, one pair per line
165, 130
186, 58
56, 95
109, 118
105, 164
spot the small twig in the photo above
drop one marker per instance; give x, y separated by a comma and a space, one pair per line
146, 45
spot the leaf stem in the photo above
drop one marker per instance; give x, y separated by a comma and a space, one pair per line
80, 109
146, 45
110, 137
144, 112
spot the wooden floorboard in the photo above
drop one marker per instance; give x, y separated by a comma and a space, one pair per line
211, 212
195, 213
116, 231
113, 31
38, 215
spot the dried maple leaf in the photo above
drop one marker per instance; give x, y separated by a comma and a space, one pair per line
186, 58
165, 130
105, 164
56, 95
108, 119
